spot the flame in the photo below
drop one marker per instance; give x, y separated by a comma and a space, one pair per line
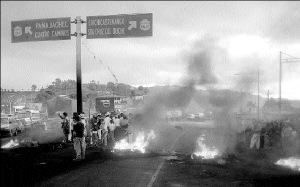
291, 162
204, 151
11, 144
139, 144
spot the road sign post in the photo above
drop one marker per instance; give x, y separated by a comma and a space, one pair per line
41, 30
112, 26
119, 26
78, 64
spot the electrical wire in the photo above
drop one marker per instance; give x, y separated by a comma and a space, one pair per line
101, 61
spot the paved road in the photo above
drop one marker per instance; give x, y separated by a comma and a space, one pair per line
157, 168
163, 171
52, 133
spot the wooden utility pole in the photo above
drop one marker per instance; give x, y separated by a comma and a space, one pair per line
280, 74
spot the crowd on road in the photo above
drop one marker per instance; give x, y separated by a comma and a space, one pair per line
101, 130
278, 134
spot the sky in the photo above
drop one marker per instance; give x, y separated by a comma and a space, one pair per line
251, 34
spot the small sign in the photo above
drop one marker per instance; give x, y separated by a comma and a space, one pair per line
119, 26
41, 30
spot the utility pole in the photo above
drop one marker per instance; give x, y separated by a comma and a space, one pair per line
257, 94
280, 71
289, 59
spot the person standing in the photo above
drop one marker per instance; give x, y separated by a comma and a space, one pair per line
84, 121
79, 140
65, 125
111, 128
94, 128
72, 124
105, 128
117, 127
99, 122
255, 140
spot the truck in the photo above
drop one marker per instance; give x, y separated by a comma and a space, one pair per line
105, 104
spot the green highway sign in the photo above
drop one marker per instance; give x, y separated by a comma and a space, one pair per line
41, 30
119, 26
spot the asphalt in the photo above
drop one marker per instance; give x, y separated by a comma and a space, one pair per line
167, 163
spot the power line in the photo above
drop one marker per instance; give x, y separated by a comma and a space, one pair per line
101, 61
288, 55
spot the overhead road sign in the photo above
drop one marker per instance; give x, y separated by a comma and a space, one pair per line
119, 26
41, 30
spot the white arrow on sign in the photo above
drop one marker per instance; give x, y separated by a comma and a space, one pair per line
28, 30
132, 25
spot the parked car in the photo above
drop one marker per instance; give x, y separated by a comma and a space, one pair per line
37, 120
191, 117
24, 117
11, 126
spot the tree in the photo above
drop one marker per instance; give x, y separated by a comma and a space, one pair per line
33, 87
141, 88
57, 84
110, 86
43, 96
146, 91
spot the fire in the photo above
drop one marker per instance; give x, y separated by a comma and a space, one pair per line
291, 162
11, 144
140, 143
204, 151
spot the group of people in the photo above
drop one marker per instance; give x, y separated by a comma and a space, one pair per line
105, 128
277, 134
100, 129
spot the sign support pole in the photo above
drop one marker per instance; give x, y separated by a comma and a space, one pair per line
78, 65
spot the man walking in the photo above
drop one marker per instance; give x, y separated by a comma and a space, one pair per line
79, 140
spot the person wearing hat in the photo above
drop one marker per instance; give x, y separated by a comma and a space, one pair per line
65, 125
79, 140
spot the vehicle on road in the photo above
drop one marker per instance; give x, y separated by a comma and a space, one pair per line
191, 117
38, 120
32, 118
24, 118
10, 126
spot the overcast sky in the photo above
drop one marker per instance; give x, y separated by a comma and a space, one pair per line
251, 33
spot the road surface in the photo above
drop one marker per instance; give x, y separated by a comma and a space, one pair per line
167, 163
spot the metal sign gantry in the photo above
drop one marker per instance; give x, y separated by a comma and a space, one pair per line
112, 26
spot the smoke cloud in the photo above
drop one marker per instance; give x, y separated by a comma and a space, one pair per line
199, 72
200, 61
286, 28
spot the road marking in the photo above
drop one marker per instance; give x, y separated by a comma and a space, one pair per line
154, 176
